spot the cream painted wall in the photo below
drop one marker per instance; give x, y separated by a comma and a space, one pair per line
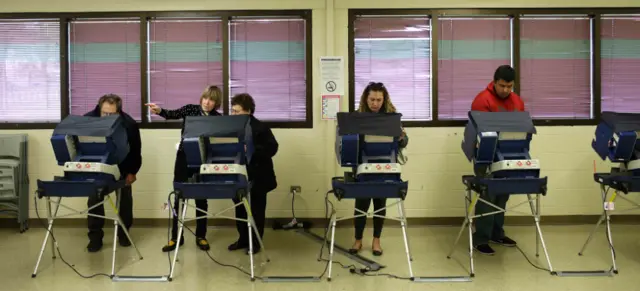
306, 156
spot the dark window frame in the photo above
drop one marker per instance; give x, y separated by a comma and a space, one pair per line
515, 13
145, 16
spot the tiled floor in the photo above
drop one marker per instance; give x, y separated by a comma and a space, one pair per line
295, 255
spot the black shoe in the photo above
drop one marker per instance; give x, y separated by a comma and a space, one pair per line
377, 253
355, 251
237, 246
202, 243
485, 249
94, 246
171, 245
124, 241
505, 241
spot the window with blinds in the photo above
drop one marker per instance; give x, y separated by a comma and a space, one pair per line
469, 52
268, 61
620, 63
104, 57
397, 52
30, 71
555, 66
185, 56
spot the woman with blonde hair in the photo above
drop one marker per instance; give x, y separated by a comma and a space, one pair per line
375, 98
210, 102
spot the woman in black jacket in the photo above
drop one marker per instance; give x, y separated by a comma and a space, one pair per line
260, 170
210, 102
375, 98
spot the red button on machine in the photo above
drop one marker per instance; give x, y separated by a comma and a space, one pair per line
78, 166
528, 163
387, 167
519, 164
216, 168
87, 166
378, 167
226, 167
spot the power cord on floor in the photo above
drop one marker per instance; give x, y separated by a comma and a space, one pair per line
55, 242
530, 262
352, 268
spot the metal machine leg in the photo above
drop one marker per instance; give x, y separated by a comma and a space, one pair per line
404, 214
115, 231
333, 237
182, 212
50, 216
46, 238
610, 239
606, 217
120, 223
470, 211
470, 203
584, 247
404, 234
538, 214
536, 217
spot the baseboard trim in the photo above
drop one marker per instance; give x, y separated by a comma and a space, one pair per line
318, 222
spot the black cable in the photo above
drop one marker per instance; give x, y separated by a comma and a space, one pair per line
55, 242
531, 263
293, 207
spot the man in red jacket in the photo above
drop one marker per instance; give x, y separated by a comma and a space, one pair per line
498, 96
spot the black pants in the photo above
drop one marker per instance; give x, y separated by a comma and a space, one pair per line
258, 209
489, 227
378, 222
181, 173
126, 214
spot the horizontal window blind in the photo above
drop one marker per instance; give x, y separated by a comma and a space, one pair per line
555, 66
185, 56
30, 71
620, 63
268, 61
469, 52
397, 52
104, 59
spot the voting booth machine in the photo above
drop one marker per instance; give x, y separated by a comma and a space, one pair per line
219, 148
89, 150
616, 140
368, 144
498, 143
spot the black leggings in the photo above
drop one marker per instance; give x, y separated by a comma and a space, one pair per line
378, 222
181, 173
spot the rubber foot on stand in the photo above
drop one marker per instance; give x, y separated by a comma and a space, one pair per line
33, 275
554, 273
579, 254
170, 279
329, 279
615, 272
472, 275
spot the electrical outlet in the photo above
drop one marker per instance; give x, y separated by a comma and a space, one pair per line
298, 189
